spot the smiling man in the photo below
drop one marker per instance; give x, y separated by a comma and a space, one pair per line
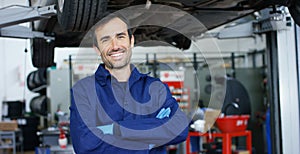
114, 46
119, 110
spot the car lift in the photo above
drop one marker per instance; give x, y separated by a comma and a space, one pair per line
282, 52
17, 14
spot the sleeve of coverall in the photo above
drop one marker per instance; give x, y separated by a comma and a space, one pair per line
168, 130
86, 137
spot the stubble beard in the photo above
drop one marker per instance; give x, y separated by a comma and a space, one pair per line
125, 63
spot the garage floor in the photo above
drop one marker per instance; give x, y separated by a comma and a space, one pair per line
27, 152
11, 152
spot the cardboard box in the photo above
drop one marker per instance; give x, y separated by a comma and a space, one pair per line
9, 126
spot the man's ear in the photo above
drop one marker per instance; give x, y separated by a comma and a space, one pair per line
97, 50
132, 41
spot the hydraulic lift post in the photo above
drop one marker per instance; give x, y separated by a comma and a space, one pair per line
283, 74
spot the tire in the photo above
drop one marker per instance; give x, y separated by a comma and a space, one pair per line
37, 81
79, 15
39, 105
42, 53
295, 11
30, 81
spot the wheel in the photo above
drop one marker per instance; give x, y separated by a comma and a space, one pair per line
295, 11
37, 81
42, 53
79, 15
39, 105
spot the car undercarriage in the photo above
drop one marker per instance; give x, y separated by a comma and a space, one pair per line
75, 17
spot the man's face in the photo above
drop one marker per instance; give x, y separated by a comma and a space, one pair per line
114, 44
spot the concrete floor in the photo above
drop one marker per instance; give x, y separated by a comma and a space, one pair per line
11, 152
28, 152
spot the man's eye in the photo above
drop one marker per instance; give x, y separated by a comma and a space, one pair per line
104, 40
121, 36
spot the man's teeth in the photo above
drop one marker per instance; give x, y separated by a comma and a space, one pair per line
116, 55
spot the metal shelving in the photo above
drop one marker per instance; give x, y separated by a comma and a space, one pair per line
11, 140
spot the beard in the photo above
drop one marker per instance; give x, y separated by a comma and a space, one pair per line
125, 61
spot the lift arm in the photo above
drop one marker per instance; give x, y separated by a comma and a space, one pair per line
23, 32
17, 14
12, 15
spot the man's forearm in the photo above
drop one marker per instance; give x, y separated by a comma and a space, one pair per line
153, 130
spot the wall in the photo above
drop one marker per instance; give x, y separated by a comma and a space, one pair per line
13, 68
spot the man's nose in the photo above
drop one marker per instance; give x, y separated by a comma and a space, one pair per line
115, 44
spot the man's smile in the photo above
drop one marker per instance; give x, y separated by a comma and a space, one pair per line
117, 55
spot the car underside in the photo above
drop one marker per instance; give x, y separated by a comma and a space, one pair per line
75, 17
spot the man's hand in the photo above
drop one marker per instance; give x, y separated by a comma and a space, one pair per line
163, 113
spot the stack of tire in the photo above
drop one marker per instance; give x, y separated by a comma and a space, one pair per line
37, 82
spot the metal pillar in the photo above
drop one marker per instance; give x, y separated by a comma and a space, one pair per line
232, 65
154, 66
196, 82
282, 80
288, 89
297, 37
70, 73
272, 61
